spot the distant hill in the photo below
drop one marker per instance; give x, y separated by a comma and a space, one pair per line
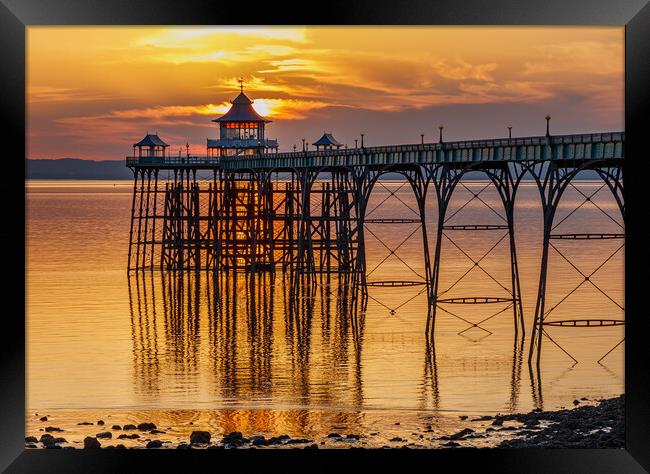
75, 168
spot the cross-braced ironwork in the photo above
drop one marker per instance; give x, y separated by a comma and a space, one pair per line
312, 223
553, 179
446, 179
418, 179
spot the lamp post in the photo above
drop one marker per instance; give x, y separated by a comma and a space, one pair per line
356, 141
303, 144
422, 138
362, 139
509, 131
440, 127
548, 121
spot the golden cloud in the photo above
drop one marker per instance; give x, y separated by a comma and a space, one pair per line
206, 37
39, 94
128, 122
121, 80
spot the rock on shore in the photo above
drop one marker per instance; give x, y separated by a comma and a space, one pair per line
91, 443
200, 437
599, 426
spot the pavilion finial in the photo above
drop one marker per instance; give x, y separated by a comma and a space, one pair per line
241, 84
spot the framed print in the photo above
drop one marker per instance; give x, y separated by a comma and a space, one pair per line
392, 233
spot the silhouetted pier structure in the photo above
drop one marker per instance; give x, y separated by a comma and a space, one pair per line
246, 207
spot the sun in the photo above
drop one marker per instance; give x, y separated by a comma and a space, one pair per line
268, 107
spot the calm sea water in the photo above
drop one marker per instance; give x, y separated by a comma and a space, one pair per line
101, 342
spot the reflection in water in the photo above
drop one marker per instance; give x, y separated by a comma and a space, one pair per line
266, 340
515, 380
260, 334
144, 335
178, 342
430, 395
536, 386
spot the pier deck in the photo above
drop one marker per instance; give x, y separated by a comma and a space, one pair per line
595, 146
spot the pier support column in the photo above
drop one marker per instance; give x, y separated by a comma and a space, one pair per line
329, 214
185, 224
552, 179
245, 230
173, 239
419, 180
506, 181
130, 265
142, 232
304, 257
364, 180
212, 240
444, 179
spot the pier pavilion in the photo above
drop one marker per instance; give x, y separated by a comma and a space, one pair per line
241, 131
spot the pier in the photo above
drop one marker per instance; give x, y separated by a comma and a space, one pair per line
243, 206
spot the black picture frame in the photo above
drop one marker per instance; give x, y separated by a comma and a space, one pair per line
16, 15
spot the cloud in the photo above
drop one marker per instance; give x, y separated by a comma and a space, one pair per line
582, 57
183, 58
506, 91
202, 37
38, 94
284, 108
223, 44
273, 50
460, 70
288, 109
116, 125
293, 64
162, 112
127, 80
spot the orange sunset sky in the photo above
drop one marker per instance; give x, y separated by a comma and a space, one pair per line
94, 91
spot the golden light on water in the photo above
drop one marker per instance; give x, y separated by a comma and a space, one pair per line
89, 327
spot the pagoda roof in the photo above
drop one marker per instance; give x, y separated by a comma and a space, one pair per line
151, 139
327, 139
241, 111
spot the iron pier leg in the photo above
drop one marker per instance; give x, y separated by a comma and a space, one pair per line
444, 187
135, 191
154, 242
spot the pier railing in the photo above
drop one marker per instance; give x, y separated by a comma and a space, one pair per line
171, 160
594, 146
